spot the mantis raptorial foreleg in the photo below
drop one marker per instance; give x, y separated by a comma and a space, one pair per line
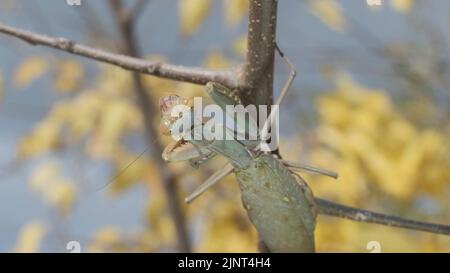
211, 181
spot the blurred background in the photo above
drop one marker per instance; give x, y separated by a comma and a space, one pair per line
371, 101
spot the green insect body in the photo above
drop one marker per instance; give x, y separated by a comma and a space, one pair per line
279, 203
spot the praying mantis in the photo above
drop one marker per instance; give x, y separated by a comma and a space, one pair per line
278, 201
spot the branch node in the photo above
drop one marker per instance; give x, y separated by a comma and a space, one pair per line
65, 44
154, 69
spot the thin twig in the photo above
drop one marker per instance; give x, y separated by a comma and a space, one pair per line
360, 215
126, 28
175, 72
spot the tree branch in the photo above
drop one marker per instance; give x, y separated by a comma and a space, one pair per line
126, 28
360, 215
175, 72
257, 76
259, 66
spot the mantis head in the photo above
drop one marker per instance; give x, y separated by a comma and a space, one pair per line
194, 135
179, 149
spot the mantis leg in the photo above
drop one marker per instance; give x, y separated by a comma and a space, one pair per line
291, 78
211, 181
292, 165
196, 162
284, 91
305, 168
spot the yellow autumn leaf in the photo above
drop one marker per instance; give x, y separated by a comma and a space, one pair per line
44, 176
62, 195
330, 13
116, 117
403, 6
53, 188
108, 235
105, 239
30, 237
192, 13
235, 10
30, 70
69, 76
88, 105
45, 137
114, 81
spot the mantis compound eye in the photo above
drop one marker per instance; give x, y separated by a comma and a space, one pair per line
166, 105
168, 102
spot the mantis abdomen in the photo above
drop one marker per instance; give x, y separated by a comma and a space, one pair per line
279, 204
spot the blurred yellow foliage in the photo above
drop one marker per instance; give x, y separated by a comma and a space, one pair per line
329, 12
29, 70
104, 112
131, 168
403, 6
104, 240
116, 117
192, 13
111, 239
339, 235
235, 11
228, 229
30, 237
379, 155
378, 145
54, 189
161, 225
44, 137
69, 76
